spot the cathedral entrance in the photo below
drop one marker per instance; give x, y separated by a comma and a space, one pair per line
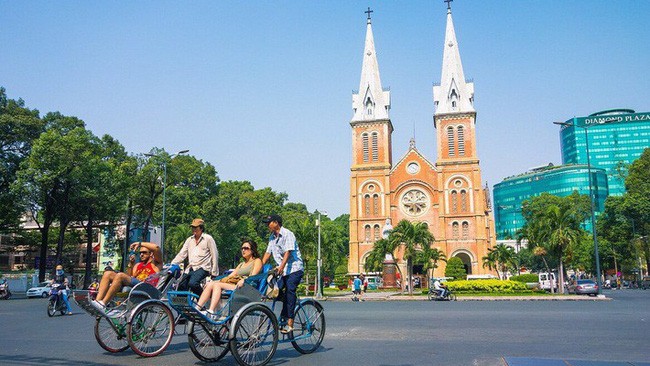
467, 262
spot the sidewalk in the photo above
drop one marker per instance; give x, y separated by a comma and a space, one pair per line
398, 296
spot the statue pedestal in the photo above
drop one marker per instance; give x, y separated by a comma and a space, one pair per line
390, 273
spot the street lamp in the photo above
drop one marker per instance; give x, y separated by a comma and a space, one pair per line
162, 240
592, 199
319, 287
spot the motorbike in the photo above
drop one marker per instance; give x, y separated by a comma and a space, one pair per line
5, 294
56, 301
434, 295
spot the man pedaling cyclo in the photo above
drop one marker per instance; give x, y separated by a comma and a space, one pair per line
112, 282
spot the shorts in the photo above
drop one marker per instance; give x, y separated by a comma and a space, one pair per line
134, 281
356, 292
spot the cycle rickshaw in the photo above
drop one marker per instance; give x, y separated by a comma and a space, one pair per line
247, 327
140, 318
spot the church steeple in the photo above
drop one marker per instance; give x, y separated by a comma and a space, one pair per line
454, 94
371, 102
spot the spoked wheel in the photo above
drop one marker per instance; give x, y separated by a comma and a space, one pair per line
51, 308
255, 336
452, 297
430, 296
308, 327
151, 329
208, 344
110, 334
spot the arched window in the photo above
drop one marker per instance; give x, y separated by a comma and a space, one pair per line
366, 205
376, 232
461, 141
454, 202
450, 141
465, 230
369, 106
364, 137
375, 205
375, 148
454, 230
367, 233
463, 201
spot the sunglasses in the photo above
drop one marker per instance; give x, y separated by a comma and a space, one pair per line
141, 253
245, 248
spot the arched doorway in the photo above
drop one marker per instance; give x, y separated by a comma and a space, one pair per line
467, 261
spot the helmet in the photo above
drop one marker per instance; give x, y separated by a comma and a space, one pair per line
59, 267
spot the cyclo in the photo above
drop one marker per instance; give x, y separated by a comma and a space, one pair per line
140, 317
246, 326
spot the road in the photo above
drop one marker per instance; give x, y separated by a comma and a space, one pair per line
396, 333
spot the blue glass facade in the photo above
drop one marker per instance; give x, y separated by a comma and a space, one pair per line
558, 180
616, 138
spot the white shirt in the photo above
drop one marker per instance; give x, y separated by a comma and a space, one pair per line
284, 242
436, 285
201, 254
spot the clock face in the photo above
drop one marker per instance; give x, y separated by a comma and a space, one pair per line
413, 168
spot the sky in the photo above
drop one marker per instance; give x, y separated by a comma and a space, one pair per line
262, 89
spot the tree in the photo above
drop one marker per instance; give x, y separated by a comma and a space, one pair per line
429, 257
411, 237
555, 223
498, 258
19, 127
455, 269
636, 202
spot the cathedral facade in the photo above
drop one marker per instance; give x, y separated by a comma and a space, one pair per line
446, 194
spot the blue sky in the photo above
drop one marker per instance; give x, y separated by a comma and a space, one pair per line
262, 89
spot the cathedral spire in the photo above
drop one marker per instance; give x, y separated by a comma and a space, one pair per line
453, 94
370, 102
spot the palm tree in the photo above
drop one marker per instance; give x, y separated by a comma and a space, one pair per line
376, 257
563, 233
429, 257
541, 252
499, 257
413, 237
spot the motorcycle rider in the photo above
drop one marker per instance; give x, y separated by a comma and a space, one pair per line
5, 293
61, 279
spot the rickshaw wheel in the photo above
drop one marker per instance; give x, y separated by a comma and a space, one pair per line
151, 329
206, 344
255, 336
108, 337
308, 327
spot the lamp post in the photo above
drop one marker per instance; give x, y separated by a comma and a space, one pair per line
592, 200
319, 287
162, 240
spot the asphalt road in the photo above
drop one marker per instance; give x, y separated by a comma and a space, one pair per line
378, 333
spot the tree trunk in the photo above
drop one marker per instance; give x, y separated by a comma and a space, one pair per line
42, 264
410, 274
89, 251
549, 275
59, 243
125, 254
560, 284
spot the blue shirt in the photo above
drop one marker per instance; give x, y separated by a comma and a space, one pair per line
285, 241
357, 284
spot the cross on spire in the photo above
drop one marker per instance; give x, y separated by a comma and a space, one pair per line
448, 4
368, 12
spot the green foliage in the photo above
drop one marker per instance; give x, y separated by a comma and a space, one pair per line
455, 269
527, 277
498, 286
499, 258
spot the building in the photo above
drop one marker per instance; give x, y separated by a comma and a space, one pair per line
557, 180
616, 138
446, 194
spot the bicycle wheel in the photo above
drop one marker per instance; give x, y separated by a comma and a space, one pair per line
51, 308
207, 344
110, 336
308, 326
255, 336
151, 329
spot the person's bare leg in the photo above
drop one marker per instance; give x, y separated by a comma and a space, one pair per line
216, 294
105, 283
121, 280
207, 291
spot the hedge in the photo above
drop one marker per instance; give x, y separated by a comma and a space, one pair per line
528, 277
499, 286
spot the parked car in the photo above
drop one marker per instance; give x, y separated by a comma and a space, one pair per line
41, 290
584, 287
547, 280
645, 283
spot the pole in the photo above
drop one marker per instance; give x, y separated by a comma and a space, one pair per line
319, 290
593, 216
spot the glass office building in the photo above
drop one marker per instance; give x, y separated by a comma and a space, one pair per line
616, 138
557, 180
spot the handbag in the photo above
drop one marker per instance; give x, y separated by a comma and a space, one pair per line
231, 280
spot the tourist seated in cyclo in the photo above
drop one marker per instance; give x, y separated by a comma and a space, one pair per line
251, 266
112, 282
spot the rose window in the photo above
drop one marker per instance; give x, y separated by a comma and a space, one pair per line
414, 202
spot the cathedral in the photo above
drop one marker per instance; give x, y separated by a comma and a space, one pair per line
446, 194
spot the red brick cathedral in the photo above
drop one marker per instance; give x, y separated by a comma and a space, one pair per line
446, 194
